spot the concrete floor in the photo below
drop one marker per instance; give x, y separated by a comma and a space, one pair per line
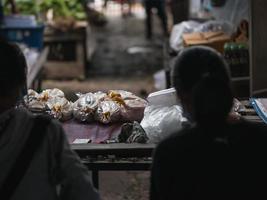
123, 59
123, 50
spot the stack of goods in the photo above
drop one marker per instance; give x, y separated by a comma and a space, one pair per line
114, 106
237, 56
52, 102
106, 108
236, 53
214, 39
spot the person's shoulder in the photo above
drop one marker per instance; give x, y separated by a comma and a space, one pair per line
54, 126
251, 127
23, 113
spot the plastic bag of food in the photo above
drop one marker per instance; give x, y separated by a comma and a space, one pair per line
125, 95
133, 110
84, 108
159, 122
60, 108
100, 95
35, 105
108, 112
33, 102
32, 94
39, 102
132, 106
50, 93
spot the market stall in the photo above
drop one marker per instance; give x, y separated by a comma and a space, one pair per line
102, 127
19, 23
35, 69
106, 128
68, 50
234, 31
138, 157
117, 130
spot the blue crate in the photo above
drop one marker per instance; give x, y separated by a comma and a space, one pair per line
31, 36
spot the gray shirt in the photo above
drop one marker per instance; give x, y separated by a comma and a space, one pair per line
55, 171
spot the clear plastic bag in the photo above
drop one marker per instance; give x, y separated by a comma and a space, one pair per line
176, 39
159, 122
131, 106
215, 26
60, 108
84, 108
39, 102
108, 112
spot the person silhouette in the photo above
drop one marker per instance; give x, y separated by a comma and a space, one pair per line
35, 158
213, 158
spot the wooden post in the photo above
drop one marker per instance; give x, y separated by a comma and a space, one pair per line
258, 48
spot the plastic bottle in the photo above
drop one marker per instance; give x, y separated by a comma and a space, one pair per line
235, 61
244, 60
227, 54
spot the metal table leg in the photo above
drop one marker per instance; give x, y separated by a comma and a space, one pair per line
95, 176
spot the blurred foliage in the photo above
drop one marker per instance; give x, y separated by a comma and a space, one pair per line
61, 8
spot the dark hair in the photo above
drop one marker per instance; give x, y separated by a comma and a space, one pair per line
13, 68
203, 73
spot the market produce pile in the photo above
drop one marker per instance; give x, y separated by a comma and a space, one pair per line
61, 8
113, 106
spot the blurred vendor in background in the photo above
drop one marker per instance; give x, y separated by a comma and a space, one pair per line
12, 3
160, 5
179, 10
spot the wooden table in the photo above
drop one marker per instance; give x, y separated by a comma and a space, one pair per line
122, 156
114, 157
98, 156
68, 52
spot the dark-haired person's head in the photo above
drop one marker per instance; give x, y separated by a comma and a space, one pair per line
13, 69
202, 81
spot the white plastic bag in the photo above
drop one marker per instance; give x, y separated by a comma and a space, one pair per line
214, 25
159, 122
176, 39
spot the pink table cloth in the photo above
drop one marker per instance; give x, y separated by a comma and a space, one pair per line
96, 132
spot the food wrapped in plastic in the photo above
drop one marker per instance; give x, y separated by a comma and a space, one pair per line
38, 102
32, 93
100, 96
108, 112
31, 96
122, 94
132, 106
51, 93
33, 103
115, 95
84, 108
133, 110
60, 108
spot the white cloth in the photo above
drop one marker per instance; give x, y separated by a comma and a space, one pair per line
54, 165
233, 11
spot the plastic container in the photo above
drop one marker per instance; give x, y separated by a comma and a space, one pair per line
31, 36
166, 97
19, 21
